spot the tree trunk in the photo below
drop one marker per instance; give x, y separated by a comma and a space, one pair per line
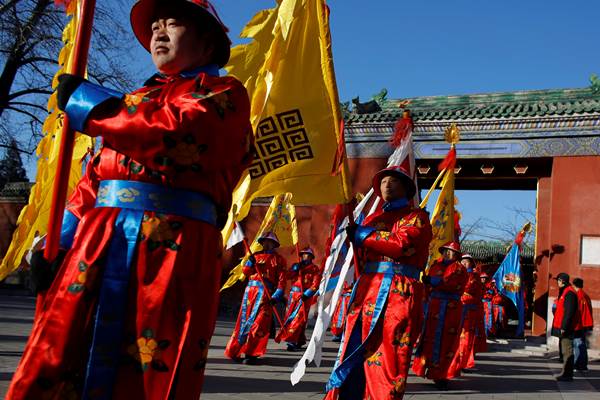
17, 52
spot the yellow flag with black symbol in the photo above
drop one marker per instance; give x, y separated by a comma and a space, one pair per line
33, 220
288, 71
279, 219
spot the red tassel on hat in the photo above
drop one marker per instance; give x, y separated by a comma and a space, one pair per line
404, 127
449, 161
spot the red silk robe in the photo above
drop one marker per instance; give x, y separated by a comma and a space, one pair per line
435, 355
251, 333
383, 322
472, 326
296, 315
338, 319
187, 133
489, 292
499, 312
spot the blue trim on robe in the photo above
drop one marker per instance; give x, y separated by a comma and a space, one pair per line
356, 357
392, 268
148, 196
362, 232
69, 227
84, 99
294, 313
246, 324
437, 339
109, 321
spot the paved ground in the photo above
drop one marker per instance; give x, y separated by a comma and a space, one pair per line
500, 375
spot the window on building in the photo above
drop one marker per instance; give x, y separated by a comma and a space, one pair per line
590, 250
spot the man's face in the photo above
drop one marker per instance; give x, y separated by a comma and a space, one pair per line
176, 44
484, 280
561, 283
450, 255
268, 244
392, 188
467, 263
306, 257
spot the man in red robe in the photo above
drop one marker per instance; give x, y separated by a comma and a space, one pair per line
132, 308
338, 319
305, 277
500, 319
472, 315
489, 291
385, 315
266, 281
439, 343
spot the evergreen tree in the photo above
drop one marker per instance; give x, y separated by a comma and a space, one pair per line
11, 166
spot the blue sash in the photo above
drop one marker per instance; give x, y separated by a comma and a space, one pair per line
392, 268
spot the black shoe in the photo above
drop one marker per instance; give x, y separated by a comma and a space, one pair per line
441, 384
468, 370
336, 339
293, 347
584, 369
562, 378
251, 360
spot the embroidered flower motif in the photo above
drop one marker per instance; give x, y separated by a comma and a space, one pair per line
375, 359
401, 339
159, 231
103, 195
147, 350
132, 101
79, 284
383, 235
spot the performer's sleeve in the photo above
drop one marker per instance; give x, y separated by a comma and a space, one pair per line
402, 241
81, 201
203, 133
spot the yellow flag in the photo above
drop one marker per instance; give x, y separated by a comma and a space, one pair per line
295, 113
442, 219
280, 219
33, 219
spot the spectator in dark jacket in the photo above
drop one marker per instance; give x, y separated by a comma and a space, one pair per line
566, 318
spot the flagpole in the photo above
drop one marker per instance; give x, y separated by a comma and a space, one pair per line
248, 251
61, 183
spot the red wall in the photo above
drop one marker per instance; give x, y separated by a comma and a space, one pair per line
571, 197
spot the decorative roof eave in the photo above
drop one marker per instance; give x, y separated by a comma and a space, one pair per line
534, 106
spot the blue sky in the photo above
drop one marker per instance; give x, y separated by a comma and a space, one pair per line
437, 47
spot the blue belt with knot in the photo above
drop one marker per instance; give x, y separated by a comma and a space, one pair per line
142, 196
445, 296
392, 268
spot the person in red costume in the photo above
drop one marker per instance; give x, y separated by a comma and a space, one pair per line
386, 312
489, 291
251, 334
439, 343
472, 316
305, 277
338, 319
132, 308
500, 319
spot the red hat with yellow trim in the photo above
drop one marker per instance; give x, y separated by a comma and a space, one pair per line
144, 13
307, 250
399, 172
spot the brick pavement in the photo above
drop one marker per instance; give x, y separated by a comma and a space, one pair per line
500, 375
